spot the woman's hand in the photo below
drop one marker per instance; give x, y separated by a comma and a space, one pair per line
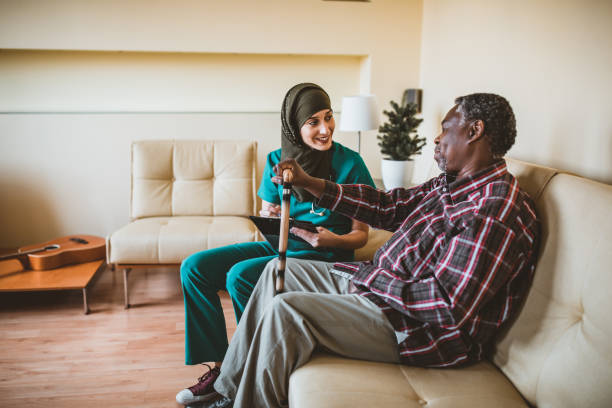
270, 209
322, 238
356, 238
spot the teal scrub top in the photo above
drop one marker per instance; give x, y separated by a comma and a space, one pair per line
347, 168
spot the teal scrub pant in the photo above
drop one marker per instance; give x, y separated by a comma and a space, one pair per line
237, 269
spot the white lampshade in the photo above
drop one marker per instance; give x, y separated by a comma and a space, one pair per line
359, 112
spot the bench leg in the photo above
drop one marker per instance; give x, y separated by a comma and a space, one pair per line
85, 306
126, 271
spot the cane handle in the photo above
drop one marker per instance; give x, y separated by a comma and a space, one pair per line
287, 176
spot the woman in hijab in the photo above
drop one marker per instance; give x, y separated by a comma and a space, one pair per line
307, 127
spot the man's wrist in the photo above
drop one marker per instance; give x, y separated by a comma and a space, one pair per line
328, 195
315, 186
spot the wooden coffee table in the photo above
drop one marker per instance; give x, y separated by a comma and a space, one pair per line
13, 278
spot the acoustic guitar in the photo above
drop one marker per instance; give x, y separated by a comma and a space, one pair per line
68, 250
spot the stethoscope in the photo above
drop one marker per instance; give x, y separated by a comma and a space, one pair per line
312, 210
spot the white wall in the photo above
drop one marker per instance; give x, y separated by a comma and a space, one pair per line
551, 59
85, 81
80, 80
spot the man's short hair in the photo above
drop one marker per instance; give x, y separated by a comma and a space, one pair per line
497, 116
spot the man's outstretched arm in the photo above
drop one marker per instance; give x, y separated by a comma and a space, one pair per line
385, 210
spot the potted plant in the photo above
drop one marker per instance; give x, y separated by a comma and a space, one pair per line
398, 143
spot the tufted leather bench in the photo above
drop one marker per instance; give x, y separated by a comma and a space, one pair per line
186, 196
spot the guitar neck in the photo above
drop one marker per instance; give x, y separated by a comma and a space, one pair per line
31, 251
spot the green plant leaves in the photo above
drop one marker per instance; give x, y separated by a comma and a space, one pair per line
398, 139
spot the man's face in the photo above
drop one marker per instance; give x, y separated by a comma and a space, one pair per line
451, 151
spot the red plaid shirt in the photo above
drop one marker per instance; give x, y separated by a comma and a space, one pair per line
458, 265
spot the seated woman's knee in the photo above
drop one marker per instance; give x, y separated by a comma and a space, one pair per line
234, 278
190, 267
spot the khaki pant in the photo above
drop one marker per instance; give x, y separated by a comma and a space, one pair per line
278, 334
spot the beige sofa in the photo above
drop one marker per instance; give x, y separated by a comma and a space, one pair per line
186, 196
558, 353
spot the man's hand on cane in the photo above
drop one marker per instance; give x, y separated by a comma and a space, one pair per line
313, 185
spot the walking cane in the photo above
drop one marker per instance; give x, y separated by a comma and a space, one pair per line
284, 230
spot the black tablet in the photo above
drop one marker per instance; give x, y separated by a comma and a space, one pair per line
270, 229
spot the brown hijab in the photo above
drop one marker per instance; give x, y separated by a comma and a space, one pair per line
300, 103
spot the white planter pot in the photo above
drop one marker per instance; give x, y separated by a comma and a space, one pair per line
396, 173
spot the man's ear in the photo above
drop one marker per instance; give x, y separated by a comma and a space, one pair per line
476, 130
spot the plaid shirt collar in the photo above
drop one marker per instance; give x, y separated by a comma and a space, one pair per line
461, 188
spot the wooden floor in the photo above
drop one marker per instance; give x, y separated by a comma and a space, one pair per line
53, 355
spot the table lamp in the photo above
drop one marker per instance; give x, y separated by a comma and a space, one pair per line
359, 112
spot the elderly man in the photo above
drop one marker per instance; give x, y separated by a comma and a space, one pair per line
459, 263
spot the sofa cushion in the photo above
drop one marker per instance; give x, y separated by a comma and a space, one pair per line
193, 177
169, 240
331, 381
558, 352
531, 177
376, 238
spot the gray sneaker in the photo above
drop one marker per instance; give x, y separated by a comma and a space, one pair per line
221, 402
203, 391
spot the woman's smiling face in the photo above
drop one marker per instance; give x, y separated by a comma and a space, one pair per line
318, 129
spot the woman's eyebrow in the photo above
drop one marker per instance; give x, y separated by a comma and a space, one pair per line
314, 117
